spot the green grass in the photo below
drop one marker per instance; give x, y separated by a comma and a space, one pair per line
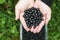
9, 28
54, 24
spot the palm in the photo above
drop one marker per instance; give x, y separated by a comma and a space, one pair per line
25, 4
19, 10
46, 11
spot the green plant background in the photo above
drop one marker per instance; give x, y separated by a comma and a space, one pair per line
9, 28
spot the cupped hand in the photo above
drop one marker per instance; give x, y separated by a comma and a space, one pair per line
46, 11
19, 11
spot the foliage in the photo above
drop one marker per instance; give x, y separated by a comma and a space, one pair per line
54, 26
2, 1
9, 28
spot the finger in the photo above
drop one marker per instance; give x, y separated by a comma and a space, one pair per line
48, 16
48, 19
43, 7
35, 30
17, 13
23, 22
32, 29
41, 25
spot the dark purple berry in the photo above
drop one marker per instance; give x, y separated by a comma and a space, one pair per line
33, 16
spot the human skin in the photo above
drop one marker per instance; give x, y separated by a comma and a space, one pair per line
19, 11
25, 4
46, 11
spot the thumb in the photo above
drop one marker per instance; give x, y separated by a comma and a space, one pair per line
17, 13
17, 10
47, 18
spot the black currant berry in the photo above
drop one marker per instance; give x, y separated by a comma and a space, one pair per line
33, 16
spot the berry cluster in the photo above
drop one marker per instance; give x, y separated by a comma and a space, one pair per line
33, 16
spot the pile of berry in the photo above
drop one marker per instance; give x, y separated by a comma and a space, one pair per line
33, 16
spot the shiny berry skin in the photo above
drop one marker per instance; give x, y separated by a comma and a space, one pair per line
33, 16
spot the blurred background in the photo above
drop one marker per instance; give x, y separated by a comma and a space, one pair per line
9, 28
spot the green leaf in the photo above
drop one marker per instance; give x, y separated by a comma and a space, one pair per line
2, 1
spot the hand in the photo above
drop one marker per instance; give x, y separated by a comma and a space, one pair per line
46, 11
19, 10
